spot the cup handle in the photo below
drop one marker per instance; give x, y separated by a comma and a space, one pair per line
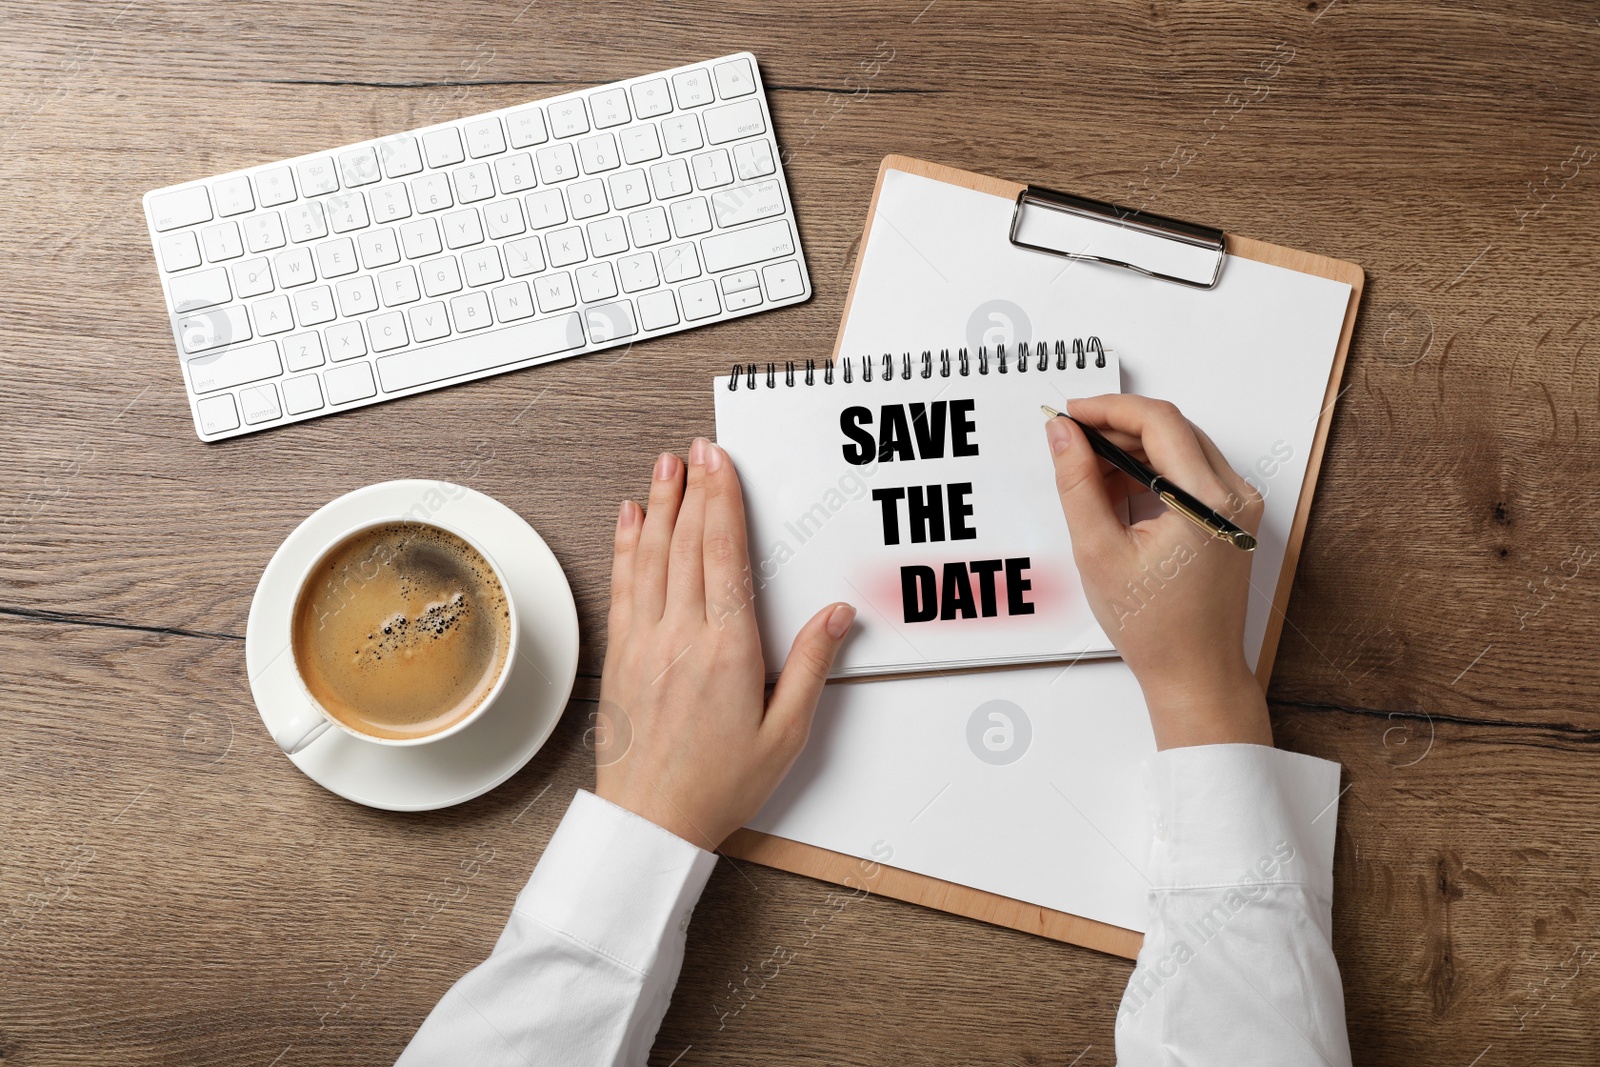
300, 731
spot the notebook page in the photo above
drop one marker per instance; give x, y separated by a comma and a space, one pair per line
933, 511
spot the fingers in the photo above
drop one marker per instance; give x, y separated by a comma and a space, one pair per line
726, 551
1095, 528
1168, 439
1246, 511
625, 544
655, 539
794, 698
686, 586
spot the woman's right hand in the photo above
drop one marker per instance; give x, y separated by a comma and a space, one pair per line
1171, 598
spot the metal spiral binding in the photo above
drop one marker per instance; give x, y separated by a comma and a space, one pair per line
771, 384
1077, 350
944, 363
1081, 348
964, 363
983, 360
927, 364
1043, 352
1000, 357
788, 373
811, 372
1061, 355
827, 372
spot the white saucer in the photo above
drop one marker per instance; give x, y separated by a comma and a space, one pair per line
505, 738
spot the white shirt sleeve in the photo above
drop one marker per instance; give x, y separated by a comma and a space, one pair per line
584, 970
1237, 965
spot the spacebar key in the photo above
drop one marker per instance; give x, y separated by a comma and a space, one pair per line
480, 352
740, 248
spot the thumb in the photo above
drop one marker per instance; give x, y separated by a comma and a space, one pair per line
794, 698
1094, 526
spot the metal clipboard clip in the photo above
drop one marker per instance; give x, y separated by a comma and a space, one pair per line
1076, 227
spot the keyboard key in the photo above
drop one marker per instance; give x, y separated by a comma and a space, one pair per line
303, 351
545, 208
222, 241
783, 280
400, 155
463, 228
390, 203
202, 289
473, 183
253, 277
515, 173
348, 383
628, 189
699, 300
357, 296
293, 267
217, 414
480, 352
524, 257
556, 163
346, 212
429, 322
359, 166
658, 310
260, 404
608, 322
336, 258
440, 276
387, 331
512, 302
484, 138
272, 315
747, 203
379, 248
274, 186
734, 78
441, 148
470, 312
527, 127
503, 218
712, 169
554, 292
482, 266
640, 144
740, 248
431, 192
182, 208
314, 306
681, 133
588, 198
179, 251
679, 262
568, 118
599, 153
566, 247
317, 176
638, 272
344, 342
596, 282
232, 196
302, 394
263, 232
753, 159
733, 121
398, 286
651, 98
306, 221
214, 329
610, 108
649, 227
420, 237
692, 88
746, 298
234, 366
744, 279
691, 217
670, 179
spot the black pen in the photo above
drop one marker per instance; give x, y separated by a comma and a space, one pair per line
1183, 503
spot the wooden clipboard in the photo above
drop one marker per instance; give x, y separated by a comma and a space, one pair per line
863, 876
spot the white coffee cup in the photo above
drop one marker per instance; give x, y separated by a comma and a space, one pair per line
311, 720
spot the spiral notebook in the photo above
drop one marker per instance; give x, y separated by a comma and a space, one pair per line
920, 489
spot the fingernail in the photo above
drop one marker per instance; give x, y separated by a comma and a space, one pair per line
697, 452
666, 466
839, 621
714, 457
626, 513
1059, 435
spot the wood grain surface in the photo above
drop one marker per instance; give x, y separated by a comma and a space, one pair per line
171, 891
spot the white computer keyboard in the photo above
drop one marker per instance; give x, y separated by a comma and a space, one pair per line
469, 248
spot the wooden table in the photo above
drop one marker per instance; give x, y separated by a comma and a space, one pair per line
173, 892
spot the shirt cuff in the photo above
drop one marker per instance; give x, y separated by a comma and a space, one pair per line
617, 883
1227, 815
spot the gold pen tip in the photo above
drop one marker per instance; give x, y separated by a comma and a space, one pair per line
1052, 412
